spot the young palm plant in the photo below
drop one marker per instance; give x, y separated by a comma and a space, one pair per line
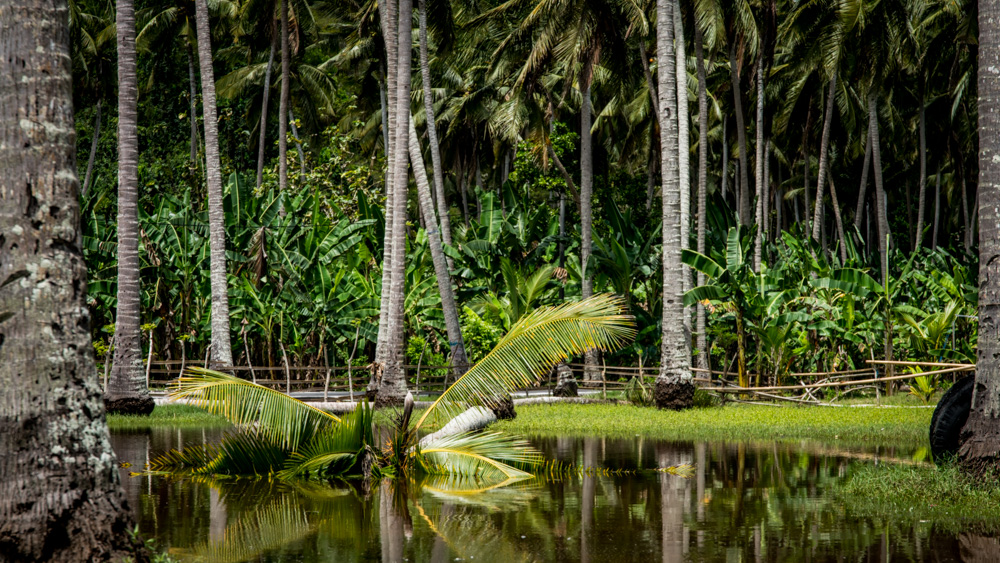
277, 436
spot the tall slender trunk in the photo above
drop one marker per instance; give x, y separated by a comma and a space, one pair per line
683, 147
766, 187
759, 164
262, 143
724, 181
937, 206
860, 212
389, 372
644, 58
432, 138
824, 156
674, 388
60, 495
93, 149
298, 143
459, 361
388, 20
127, 391
590, 371
192, 102
222, 351
922, 187
980, 450
881, 219
283, 102
806, 130
700, 325
840, 222
743, 190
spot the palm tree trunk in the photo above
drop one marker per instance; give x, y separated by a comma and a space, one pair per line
591, 372
193, 103
388, 19
683, 150
881, 220
806, 130
298, 143
459, 361
432, 138
922, 193
743, 195
724, 181
937, 206
759, 165
222, 351
93, 149
283, 103
824, 157
649, 77
127, 391
699, 51
262, 143
840, 222
860, 212
389, 372
674, 388
980, 449
62, 499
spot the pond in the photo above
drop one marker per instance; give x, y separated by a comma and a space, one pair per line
740, 502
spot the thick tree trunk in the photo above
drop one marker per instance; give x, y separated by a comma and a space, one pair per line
127, 391
262, 143
283, 102
674, 388
192, 103
388, 20
222, 350
743, 190
824, 157
980, 449
390, 377
459, 361
591, 371
702, 343
683, 148
860, 212
93, 149
432, 138
922, 187
759, 165
60, 495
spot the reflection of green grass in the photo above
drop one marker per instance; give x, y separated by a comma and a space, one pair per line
905, 495
174, 416
861, 425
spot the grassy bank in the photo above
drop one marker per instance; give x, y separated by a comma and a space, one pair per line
861, 425
175, 416
905, 494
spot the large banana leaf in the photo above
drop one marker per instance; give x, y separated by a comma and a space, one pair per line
534, 344
279, 418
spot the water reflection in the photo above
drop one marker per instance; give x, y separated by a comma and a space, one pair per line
744, 502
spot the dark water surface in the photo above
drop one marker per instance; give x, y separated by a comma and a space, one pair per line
742, 502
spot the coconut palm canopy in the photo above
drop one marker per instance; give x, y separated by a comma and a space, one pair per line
277, 436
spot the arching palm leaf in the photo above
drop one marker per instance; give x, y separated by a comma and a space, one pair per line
487, 456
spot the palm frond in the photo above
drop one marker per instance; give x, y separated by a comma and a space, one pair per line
489, 456
281, 419
334, 451
534, 344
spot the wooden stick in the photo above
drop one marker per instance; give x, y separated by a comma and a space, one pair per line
736, 389
929, 364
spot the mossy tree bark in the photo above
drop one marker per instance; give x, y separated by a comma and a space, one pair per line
60, 495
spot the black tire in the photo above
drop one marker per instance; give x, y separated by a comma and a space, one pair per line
949, 418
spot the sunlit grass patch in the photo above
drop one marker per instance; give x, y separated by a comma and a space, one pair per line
174, 416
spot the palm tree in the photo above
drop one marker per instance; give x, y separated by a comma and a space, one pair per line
126, 391
980, 450
700, 326
432, 136
222, 352
674, 388
283, 101
69, 506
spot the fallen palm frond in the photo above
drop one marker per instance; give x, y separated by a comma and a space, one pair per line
256, 533
489, 456
537, 342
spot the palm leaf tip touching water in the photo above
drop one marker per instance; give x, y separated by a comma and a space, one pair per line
538, 341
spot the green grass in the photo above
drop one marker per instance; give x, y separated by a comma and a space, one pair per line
905, 495
175, 416
861, 425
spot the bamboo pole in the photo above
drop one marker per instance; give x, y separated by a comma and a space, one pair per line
737, 389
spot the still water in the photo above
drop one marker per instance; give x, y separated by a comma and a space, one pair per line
742, 502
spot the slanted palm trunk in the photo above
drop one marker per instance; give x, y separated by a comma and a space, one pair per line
265, 95
389, 375
93, 149
674, 388
222, 351
980, 450
860, 211
743, 189
702, 342
127, 392
824, 158
60, 495
283, 102
432, 138
451, 321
